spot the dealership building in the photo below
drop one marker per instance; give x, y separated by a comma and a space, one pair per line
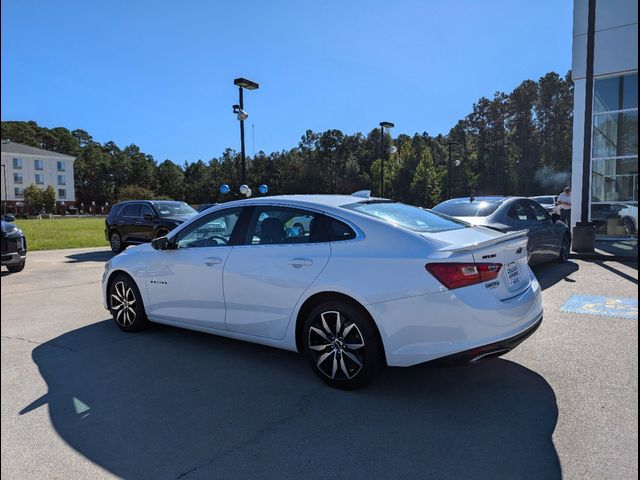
605, 129
23, 165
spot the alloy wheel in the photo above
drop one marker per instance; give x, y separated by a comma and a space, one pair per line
123, 303
337, 346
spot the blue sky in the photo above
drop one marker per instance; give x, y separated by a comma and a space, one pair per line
159, 73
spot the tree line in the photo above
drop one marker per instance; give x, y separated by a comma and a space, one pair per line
516, 143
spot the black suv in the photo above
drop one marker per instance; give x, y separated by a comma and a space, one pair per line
14, 247
140, 221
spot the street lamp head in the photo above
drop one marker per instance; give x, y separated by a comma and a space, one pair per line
387, 125
244, 83
240, 114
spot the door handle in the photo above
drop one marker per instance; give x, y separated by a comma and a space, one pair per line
300, 262
211, 261
138, 223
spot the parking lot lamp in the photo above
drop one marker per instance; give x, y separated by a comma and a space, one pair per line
242, 116
450, 144
383, 125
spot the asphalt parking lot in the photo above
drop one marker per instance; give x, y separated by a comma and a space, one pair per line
81, 399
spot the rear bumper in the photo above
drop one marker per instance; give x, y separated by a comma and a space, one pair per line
478, 354
444, 324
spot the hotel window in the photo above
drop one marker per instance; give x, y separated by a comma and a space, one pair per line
17, 163
614, 173
39, 164
60, 166
61, 180
17, 178
62, 193
39, 179
19, 192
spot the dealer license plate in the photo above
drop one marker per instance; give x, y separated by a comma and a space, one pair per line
513, 274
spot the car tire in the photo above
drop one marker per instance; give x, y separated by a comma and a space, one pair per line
125, 304
629, 225
565, 249
116, 243
342, 345
17, 268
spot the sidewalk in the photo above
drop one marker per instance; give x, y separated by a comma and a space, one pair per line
619, 249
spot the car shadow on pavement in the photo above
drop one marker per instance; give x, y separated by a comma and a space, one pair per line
548, 274
170, 403
100, 256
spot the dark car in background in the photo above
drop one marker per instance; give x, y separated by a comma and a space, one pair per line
14, 247
549, 238
140, 221
202, 207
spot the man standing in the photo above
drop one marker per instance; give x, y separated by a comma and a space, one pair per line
564, 202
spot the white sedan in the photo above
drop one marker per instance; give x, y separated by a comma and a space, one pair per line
353, 283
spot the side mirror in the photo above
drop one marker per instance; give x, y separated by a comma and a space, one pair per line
161, 243
148, 216
555, 217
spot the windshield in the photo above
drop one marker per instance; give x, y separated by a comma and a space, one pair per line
413, 218
477, 208
170, 209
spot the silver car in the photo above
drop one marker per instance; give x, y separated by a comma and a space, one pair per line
549, 238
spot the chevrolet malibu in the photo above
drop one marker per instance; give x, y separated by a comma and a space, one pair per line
353, 283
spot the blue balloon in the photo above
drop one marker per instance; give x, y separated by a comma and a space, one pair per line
263, 189
224, 189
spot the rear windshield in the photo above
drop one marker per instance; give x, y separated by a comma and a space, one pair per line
413, 218
169, 209
477, 208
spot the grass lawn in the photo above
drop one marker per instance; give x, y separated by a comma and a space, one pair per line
74, 232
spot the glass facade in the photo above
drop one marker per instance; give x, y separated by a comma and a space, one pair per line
614, 173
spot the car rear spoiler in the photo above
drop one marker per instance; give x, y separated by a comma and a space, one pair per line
487, 243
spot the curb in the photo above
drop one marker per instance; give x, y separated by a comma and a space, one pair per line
603, 258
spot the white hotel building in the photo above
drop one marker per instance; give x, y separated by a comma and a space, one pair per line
23, 165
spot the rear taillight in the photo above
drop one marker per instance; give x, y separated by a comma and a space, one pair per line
456, 275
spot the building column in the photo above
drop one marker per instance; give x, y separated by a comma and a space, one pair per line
579, 92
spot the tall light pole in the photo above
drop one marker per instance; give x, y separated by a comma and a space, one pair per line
383, 125
242, 116
449, 165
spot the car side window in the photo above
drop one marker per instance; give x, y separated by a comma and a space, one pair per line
214, 230
519, 212
132, 210
283, 225
338, 230
539, 213
146, 210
